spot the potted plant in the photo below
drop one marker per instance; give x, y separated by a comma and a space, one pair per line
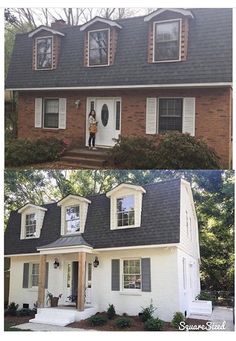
53, 299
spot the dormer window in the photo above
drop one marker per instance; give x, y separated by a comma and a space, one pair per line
44, 53
30, 225
125, 211
72, 219
167, 41
98, 47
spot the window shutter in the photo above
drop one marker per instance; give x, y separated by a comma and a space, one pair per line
115, 275
151, 116
62, 113
146, 274
189, 115
46, 276
26, 275
38, 112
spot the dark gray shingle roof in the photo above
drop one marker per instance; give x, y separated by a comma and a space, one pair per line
209, 57
160, 223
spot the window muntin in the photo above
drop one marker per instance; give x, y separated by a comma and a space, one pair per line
30, 225
44, 53
72, 219
125, 211
51, 113
170, 114
35, 275
131, 274
98, 47
167, 41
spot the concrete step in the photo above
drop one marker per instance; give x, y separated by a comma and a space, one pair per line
85, 158
199, 307
99, 153
81, 161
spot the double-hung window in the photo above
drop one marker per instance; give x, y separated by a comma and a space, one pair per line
72, 219
170, 114
132, 274
125, 211
98, 47
30, 225
167, 41
44, 53
51, 113
35, 275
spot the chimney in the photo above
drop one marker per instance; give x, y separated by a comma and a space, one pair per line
57, 24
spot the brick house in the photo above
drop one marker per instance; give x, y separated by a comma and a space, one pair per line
169, 70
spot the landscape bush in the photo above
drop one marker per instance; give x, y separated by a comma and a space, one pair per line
25, 312
177, 318
98, 320
123, 322
164, 151
111, 313
12, 309
147, 313
25, 152
154, 324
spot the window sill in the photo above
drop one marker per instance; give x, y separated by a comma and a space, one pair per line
125, 227
126, 293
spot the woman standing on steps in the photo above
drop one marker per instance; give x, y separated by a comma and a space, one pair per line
92, 129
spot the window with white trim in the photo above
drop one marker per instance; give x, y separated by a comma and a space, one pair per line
131, 274
98, 47
167, 41
72, 219
30, 225
125, 211
44, 53
34, 274
170, 114
51, 113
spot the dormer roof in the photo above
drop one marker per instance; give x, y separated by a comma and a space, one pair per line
45, 28
97, 19
125, 186
27, 206
184, 12
72, 197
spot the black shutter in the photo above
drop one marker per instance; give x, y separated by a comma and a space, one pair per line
115, 274
46, 276
146, 274
26, 275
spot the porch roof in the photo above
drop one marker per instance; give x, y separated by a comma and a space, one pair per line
64, 241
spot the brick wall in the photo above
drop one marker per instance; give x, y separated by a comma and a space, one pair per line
213, 115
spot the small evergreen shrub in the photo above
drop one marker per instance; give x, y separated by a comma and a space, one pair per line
25, 312
154, 324
123, 322
98, 320
177, 318
111, 313
24, 152
147, 313
12, 309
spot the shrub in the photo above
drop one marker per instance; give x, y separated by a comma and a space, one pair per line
154, 324
111, 313
177, 318
23, 152
12, 309
123, 322
147, 313
206, 296
98, 320
164, 151
25, 312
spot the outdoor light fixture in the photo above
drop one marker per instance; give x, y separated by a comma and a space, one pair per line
77, 103
96, 262
56, 263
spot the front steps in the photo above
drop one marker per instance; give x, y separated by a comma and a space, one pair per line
85, 158
62, 316
203, 308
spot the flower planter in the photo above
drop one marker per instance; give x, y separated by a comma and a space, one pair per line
54, 301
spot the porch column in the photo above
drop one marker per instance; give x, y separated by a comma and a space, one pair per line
81, 281
41, 284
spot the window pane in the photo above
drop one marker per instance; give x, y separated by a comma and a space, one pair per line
125, 204
72, 213
72, 219
51, 121
98, 48
51, 113
167, 41
35, 274
44, 53
170, 114
51, 106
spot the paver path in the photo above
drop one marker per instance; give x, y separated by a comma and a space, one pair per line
48, 327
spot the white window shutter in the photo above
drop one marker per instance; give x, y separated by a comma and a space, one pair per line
62, 113
189, 115
151, 116
38, 112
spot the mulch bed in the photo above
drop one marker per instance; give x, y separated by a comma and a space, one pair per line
137, 324
14, 320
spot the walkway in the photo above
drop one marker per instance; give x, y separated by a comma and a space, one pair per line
40, 327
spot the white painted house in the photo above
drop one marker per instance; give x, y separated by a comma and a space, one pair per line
129, 247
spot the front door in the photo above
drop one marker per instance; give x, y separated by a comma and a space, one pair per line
106, 122
71, 283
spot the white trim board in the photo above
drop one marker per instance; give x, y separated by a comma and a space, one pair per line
147, 86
